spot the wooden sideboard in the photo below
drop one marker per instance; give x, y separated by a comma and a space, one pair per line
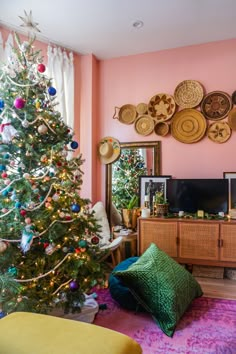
190, 241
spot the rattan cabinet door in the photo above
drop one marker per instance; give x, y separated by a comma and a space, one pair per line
162, 233
199, 240
228, 242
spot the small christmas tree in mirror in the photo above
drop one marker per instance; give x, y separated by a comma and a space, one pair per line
49, 253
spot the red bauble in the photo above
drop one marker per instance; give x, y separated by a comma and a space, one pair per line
95, 240
41, 68
22, 212
4, 175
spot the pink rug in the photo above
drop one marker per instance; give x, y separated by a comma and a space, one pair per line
208, 327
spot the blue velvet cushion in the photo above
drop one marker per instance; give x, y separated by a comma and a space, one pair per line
121, 293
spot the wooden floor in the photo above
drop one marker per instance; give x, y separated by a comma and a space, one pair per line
219, 288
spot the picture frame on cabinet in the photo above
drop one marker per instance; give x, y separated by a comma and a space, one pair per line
148, 186
231, 176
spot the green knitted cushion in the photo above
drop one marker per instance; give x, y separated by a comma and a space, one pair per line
162, 286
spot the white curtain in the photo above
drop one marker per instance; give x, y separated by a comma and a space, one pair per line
5, 50
61, 71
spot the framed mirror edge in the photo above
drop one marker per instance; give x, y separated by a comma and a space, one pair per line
156, 145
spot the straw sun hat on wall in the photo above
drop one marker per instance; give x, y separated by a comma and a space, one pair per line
108, 150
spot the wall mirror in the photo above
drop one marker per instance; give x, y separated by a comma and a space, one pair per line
150, 151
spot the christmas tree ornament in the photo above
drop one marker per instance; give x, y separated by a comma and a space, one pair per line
37, 104
8, 132
73, 285
95, 240
19, 103
75, 208
2, 314
12, 271
18, 205
4, 210
74, 145
28, 22
7, 181
41, 68
24, 46
4, 175
52, 91
1, 104
83, 243
13, 197
50, 249
26, 175
28, 221
2, 167
3, 246
26, 240
44, 158
55, 197
42, 129
25, 123
23, 212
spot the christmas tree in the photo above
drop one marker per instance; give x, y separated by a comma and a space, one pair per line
49, 253
125, 177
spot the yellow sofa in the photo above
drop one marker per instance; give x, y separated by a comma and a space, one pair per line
30, 333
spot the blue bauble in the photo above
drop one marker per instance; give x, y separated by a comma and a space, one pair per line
75, 208
2, 168
74, 144
1, 103
52, 91
83, 243
18, 205
2, 314
12, 271
4, 193
6, 156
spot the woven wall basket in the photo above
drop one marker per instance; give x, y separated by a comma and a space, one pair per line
127, 114
144, 125
188, 126
188, 94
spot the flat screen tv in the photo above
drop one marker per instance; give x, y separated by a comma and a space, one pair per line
191, 195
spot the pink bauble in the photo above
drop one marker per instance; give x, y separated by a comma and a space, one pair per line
19, 103
41, 68
28, 221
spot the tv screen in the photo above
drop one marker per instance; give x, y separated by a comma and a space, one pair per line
191, 195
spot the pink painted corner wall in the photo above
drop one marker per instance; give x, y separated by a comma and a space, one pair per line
136, 79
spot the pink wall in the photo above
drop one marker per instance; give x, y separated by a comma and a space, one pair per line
100, 86
136, 79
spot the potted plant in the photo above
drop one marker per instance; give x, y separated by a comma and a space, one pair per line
161, 204
130, 213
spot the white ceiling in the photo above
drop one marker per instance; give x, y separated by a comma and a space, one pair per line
104, 27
